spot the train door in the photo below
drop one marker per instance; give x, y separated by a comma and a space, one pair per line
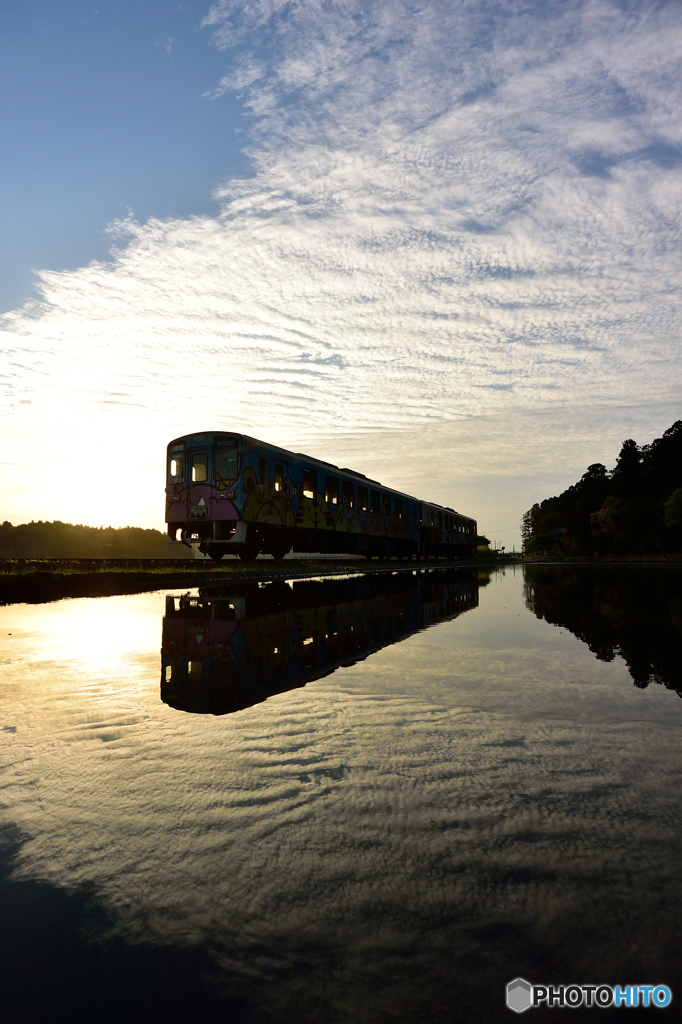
197, 476
283, 492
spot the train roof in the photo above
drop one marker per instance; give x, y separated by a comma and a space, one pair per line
196, 435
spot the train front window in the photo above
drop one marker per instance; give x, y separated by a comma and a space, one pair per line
199, 468
226, 462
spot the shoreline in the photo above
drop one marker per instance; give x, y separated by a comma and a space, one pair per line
42, 580
39, 581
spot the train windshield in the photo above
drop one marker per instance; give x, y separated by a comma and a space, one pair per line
226, 461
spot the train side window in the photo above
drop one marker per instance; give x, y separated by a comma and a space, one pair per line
199, 468
279, 477
386, 503
362, 498
309, 483
262, 472
439, 520
399, 507
176, 468
331, 491
226, 463
348, 494
376, 501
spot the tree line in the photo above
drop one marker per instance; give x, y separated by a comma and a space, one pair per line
66, 540
633, 509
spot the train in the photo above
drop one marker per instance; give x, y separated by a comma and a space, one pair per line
227, 493
228, 648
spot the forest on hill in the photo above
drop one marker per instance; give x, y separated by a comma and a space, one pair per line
633, 509
64, 540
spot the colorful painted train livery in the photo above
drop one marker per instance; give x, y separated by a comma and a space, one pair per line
229, 493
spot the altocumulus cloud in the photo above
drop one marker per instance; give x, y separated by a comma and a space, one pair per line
463, 219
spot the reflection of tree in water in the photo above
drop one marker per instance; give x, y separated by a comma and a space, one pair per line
630, 611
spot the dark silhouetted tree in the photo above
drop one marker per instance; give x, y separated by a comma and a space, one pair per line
628, 511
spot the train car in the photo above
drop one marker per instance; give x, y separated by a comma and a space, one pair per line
229, 648
229, 493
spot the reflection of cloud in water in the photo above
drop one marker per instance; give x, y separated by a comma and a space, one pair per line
401, 836
232, 647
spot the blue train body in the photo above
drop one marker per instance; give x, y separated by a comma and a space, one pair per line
231, 493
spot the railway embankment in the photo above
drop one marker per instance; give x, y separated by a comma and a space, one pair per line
40, 580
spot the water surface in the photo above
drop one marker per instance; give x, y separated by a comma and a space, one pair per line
376, 799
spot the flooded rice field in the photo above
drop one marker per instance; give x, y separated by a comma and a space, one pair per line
377, 798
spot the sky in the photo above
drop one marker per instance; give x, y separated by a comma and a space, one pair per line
438, 242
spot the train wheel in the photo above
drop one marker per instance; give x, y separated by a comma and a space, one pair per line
215, 553
248, 554
279, 553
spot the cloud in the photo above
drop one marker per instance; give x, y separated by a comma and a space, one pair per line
457, 210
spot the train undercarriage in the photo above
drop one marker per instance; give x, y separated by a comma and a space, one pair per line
247, 540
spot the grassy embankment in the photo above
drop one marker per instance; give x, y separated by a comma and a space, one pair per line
39, 580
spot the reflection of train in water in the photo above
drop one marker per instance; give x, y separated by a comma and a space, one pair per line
228, 649
231, 493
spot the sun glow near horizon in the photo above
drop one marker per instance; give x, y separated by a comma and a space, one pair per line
467, 287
